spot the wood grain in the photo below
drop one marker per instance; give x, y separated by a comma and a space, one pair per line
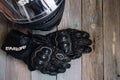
72, 19
21, 70
3, 31
116, 39
2, 65
10, 73
111, 37
16, 70
92, 63
37, 75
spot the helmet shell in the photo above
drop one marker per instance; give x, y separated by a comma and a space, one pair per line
33, 14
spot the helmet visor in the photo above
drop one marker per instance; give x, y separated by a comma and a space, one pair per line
28, 10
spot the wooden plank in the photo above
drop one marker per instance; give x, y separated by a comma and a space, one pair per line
10, 73
2, 65
72, 19
3, 31
110, 18
117, 48
37, 75
21, 70
92, 64
74, 73
116, 39
16, 70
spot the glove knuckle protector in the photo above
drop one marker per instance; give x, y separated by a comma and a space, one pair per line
73, 42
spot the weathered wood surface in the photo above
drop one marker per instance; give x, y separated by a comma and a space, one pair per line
92, 64
3, 31
101, 18
111, 18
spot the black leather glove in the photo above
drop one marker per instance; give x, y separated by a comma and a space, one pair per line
73, 42
36, 52
49, 54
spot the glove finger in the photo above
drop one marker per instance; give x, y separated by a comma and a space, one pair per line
82, 41
49, 71
77, 33
61, 70
76, 53
60, 64
66, 65
61, 67
55, 70
82, 49
63, 41
87, 49
76, 56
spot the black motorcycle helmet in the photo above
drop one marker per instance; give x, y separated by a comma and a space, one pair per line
33, 14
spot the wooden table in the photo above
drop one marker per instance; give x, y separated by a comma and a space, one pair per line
101, 18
